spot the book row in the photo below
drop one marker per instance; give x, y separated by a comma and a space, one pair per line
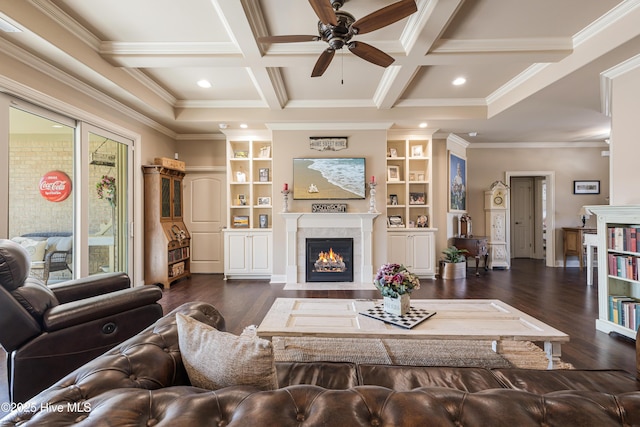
624, 311
178, 254
624, 238
624, 266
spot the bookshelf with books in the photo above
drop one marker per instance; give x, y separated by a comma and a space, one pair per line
248, 235
409, 206
618, 278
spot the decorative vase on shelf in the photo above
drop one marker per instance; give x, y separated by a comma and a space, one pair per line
398, 306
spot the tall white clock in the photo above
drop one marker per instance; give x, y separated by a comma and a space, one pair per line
496, 208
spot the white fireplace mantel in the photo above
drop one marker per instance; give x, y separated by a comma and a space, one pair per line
295, 221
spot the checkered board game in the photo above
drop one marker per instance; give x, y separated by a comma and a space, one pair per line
408, 321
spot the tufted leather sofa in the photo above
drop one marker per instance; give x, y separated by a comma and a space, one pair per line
143, 382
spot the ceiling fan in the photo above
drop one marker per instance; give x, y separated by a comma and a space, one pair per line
337, 27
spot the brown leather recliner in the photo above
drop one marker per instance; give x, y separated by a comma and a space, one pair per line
50, 331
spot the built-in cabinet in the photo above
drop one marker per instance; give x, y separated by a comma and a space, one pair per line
413, 249
618, 259
409, 203
248, 235
248, 254
166, 238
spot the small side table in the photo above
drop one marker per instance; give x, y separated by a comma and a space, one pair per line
477, 247
573, 243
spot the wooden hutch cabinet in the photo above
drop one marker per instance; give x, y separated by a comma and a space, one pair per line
166, 238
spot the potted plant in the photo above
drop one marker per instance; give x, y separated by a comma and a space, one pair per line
395, 283
454, 264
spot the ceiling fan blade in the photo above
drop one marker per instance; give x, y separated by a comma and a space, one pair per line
385, 16
323, 62
287, 39
371, 54
325, 12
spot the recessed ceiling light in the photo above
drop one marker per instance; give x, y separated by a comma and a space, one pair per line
459, 81
244, 125
205, 84
222, 125
473, 133
423, 125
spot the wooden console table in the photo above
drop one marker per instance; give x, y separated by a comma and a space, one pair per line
573, 243
477, 247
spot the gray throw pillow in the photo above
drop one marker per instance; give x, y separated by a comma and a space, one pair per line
215, 359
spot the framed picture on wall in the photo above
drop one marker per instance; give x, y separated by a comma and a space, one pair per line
586, 187
457, 183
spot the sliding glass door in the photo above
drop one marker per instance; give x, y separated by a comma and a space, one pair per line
67, 192
108, 183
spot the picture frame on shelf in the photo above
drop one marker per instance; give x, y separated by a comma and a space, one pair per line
263, 221
417, 199
263, 175
395, 221
241, 176
586, 187
264, 201
393, 152
241, 154
393, 199
422, 221
416, 151
393, 173
240, 221
416, 176
242, 200
457, 183
265, 152
421, 176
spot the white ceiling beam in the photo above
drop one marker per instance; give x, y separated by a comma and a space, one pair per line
267, 82
421, 33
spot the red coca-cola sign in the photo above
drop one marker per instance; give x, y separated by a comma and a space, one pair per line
55, 186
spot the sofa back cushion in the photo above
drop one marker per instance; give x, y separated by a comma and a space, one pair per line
214, 359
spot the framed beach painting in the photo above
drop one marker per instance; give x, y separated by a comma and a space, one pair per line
457, 183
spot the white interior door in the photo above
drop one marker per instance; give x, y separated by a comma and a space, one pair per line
204, 216
521, 217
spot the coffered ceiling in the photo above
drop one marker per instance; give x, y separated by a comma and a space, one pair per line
532, 68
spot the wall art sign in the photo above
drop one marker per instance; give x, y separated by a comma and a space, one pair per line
329, 208
55, 186
328, 144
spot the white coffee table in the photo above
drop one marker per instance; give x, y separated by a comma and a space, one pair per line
465, 319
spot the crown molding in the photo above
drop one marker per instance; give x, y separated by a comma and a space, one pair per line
453, 139
44, 67
150, 84
200, 137
65, 21
562, 44
328, 126
605, 21
583, 144
606, 81
331, 103
443, 102
220, 104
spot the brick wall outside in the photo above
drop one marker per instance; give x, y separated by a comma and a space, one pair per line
30, 157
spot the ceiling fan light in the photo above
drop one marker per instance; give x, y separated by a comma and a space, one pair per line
459, 81
205, 84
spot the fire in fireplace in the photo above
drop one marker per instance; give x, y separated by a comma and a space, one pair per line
329, 260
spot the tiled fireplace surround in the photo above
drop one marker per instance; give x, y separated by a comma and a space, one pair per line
300, 226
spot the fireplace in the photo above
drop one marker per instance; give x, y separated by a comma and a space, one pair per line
329, 260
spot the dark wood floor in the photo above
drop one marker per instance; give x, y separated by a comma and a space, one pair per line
557, 296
